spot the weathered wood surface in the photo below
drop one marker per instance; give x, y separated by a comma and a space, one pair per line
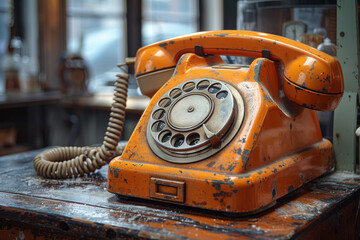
33, 207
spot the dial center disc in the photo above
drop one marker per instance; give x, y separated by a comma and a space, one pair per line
190, 111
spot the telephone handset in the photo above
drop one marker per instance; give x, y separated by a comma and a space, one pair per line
216, 136
311, 78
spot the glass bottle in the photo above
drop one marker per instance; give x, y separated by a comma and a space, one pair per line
11, 66
328, 47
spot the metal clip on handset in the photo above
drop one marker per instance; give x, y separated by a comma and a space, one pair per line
66, 162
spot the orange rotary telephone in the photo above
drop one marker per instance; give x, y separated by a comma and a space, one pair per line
216, 136
226, 137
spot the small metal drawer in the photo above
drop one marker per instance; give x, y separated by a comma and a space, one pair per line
166, 189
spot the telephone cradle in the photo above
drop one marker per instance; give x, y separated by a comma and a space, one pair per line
228, 137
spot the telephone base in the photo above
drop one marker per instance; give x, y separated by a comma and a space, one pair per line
241, 193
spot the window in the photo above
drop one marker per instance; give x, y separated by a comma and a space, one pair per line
96, 29
4, 35
3, 26
163, 19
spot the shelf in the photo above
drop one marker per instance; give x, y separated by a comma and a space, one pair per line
103, 101
14, 150
26, 99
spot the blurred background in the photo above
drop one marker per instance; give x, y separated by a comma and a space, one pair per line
59, 57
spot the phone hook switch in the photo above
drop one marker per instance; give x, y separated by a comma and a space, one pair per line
199, 50
265, 53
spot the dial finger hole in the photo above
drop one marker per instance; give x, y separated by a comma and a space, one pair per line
158, 114
175, 93
189, 86
203, 84
215, 88
177, 140
158, 126
165, 136
222, 95
193, 139
164, 102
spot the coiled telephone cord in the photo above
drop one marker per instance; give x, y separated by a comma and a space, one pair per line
66, 162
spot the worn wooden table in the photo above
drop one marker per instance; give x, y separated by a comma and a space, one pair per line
32, 207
